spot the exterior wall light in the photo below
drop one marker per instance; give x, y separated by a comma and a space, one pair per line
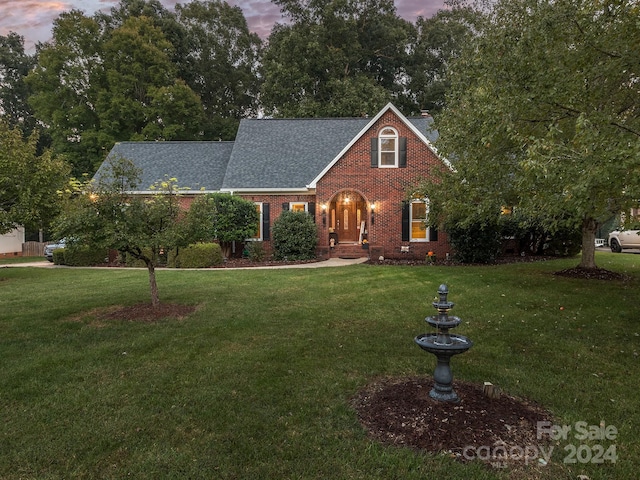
373, 212
324, 214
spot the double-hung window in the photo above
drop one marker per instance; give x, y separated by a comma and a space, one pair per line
388, 148
418, 212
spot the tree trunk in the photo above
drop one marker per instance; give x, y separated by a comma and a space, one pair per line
226, 248
589, 228
155, 299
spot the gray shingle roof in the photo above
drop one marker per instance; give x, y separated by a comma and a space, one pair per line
280, 154
290, 153
286, 153
195, 165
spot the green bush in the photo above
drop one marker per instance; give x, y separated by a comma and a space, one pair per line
295, 236
199, 255
79, 256
255, 251
58, 256
475, 243
536, 238
565, 242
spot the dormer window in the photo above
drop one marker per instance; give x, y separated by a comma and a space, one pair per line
388, 139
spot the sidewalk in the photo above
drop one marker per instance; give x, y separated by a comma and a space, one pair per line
332, 262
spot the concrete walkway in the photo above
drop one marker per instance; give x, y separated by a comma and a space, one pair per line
332, 262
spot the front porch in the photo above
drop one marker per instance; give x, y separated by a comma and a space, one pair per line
348, 250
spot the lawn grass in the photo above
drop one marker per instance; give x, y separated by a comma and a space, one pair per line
12, 260
256, 383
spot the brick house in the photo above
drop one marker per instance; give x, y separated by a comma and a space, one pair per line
350, 174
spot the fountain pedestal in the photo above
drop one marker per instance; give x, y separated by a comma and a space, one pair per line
444, 346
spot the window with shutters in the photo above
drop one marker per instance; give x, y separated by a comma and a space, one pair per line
418, 219
258, 235
415, 217
298, 206
388, 148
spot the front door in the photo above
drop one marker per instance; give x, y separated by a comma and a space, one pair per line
349, 214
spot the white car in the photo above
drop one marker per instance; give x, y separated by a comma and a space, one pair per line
619, 239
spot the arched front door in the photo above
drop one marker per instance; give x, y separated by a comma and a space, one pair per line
348, 216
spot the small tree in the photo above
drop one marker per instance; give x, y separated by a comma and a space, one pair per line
295, 236
224, 218
105, 214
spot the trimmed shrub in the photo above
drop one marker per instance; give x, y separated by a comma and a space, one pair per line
199, 255
294, 236
255, 251
78, 256
58, 256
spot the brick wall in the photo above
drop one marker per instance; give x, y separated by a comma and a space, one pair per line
386, 187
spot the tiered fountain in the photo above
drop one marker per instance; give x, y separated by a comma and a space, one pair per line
444, 346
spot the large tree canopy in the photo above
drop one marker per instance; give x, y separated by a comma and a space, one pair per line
15, 64
338, 58
544, 115
28, 182
65, 85
439, 40
222, 63
144, 73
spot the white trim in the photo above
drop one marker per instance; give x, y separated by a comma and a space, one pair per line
179, 192
388, 107
249, 190
232, 191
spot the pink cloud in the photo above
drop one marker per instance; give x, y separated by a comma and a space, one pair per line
412, 9
261, 15
33, 19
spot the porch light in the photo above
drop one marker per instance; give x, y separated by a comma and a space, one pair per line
373, 212
324, 213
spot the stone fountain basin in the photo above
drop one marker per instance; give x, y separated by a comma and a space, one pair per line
459, 344
436, 322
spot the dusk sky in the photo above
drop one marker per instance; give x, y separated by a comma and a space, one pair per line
33, 19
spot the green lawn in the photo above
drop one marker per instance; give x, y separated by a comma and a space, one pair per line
256, 384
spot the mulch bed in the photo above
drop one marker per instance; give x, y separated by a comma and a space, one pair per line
247, 263
591, 274
145, 312
499, 431
575, 272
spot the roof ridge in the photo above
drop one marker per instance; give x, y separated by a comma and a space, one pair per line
165, 142
308, 118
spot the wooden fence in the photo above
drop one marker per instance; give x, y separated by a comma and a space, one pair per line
33, 249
